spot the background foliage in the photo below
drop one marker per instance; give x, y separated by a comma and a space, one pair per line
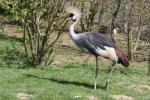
41, 18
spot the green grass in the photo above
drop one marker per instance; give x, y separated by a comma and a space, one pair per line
71, 81
11, 49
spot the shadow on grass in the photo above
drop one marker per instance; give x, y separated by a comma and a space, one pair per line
11, 56
65, 82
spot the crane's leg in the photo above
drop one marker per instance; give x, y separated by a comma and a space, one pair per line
109, 75
96, 72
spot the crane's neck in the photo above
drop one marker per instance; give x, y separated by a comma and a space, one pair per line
72, 32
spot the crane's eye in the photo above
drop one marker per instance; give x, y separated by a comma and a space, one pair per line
71, 15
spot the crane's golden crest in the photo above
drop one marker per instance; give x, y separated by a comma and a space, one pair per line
74, 11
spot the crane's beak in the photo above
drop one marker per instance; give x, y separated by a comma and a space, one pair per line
68, 19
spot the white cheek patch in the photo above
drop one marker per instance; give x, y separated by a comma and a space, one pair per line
74, 17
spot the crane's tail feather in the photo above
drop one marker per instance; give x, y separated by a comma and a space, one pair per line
122, 58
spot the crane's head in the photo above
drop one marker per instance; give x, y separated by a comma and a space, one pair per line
74, 14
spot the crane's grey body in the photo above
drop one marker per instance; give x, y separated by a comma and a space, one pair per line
92, 41
96, 43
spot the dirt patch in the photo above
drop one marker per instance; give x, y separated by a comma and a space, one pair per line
23, 96
140, 88
12, 30
142, 48
122, 97
92, 98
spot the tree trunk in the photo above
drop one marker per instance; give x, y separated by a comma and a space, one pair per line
149, 64
82, 17
114, 18
127, 29
101, 13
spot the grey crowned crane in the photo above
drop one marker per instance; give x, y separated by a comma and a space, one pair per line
97, 44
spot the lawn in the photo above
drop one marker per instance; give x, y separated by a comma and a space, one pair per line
73, 81
70, 81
